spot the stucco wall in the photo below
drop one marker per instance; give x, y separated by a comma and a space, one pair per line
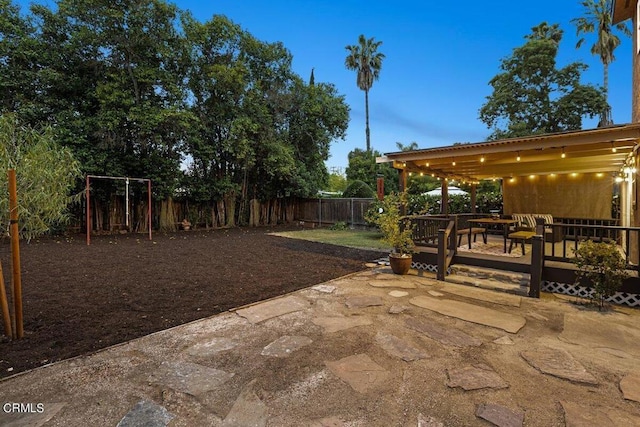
574, 196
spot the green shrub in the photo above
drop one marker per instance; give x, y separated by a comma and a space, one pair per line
358, 189
397, 231
602, 266
340, 225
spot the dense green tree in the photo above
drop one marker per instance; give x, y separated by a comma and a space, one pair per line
134, 87
597, 19
337, 182
45, 173
531, 96
359, 189
363, 167
366, 61
262, 132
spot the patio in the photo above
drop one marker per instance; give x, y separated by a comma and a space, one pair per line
571, 177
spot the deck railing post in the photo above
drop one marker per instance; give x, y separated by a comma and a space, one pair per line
442, 254
537, 260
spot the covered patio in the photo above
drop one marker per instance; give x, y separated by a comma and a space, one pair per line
585, 181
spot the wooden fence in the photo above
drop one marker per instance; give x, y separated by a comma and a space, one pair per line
331, 211
110, 217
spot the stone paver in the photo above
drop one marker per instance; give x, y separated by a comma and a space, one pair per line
146, 413
504, 340
360, 372
558, 363
191, 378
484, 295
248, 410
399, 348
397, 283
576, 415
500, 416
211, 346
471, 313
284, 346
277, 307
397, 309
362, 301
327, 289
435, 293
630, 386
595, 331
340, 323
475, 378
398, 294
447, 336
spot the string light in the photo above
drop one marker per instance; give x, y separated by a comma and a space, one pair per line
481, 159
518, 157
563, 155
613, 147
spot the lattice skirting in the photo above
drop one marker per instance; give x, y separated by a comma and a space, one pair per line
622, 298
425, 267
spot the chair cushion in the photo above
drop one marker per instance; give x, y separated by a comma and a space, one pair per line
524, 220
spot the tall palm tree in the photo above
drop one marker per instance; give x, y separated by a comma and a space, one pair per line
366, 61
598, 19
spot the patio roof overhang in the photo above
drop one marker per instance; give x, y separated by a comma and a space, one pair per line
623, 10
601, 150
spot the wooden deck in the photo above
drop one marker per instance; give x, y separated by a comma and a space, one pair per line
554, 271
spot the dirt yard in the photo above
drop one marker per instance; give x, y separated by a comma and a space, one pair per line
78, 299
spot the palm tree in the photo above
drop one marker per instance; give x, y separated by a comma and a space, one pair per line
366, 61
598, 20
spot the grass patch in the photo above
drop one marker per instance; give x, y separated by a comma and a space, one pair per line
360, 239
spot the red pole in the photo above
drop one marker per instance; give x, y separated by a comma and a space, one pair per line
88, 210
15, 252
149, 202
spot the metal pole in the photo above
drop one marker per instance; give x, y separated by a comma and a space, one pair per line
88, 210
126, 220
15, 252
149, 210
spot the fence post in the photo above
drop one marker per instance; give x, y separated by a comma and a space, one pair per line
442, 254
319, 212
537, 260
351, 227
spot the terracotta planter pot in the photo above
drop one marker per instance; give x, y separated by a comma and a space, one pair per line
400, 264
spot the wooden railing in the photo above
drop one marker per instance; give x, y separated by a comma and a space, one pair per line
447, 246
573, 234
425, 229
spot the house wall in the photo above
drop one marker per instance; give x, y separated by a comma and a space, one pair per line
567, 195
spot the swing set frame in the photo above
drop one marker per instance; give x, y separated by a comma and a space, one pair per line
117, 178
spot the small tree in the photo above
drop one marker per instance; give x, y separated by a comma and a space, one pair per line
602, 266
395, 229
46, 173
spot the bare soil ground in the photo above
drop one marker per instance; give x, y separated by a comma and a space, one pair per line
78, 299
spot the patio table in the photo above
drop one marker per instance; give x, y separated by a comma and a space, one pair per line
504, 222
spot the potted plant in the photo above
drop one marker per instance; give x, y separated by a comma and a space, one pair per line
602, 266
395, 229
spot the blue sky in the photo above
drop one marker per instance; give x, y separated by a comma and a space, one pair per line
439, 59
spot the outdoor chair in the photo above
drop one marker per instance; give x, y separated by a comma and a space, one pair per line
464, 228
